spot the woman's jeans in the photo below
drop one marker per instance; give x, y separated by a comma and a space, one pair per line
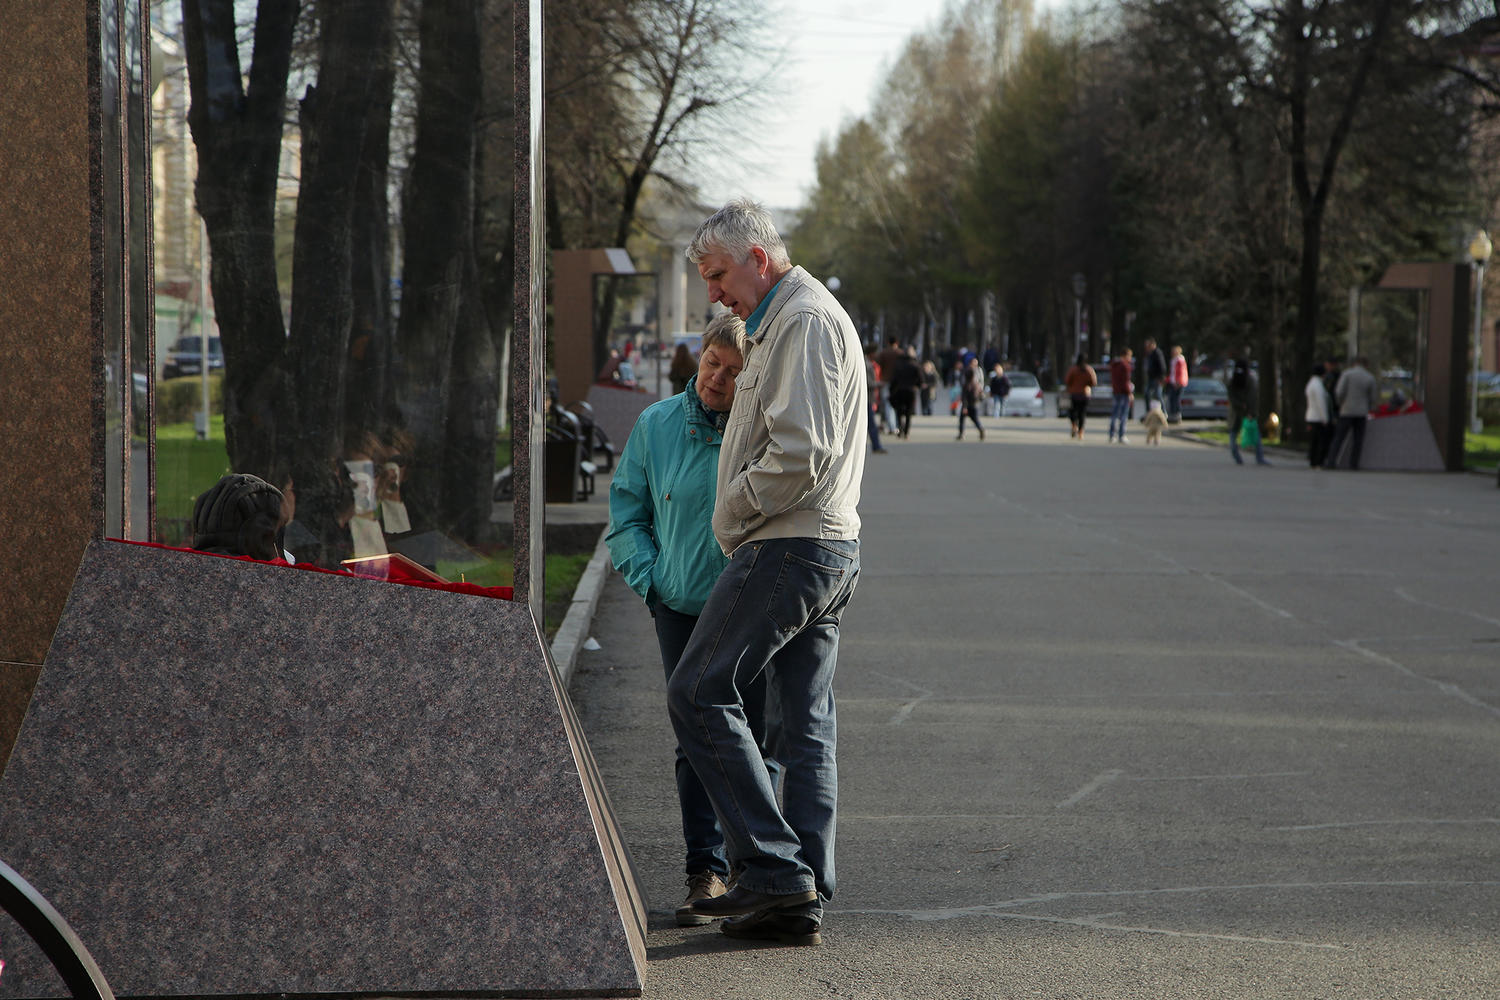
775, 607
700, 830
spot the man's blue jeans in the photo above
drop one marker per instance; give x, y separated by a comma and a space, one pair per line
700, 830
1121, 415
775, 607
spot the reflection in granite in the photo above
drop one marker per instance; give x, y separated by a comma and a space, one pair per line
238, 778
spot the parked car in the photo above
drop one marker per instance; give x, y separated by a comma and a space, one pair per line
1205, 399
1026, 398
186, 357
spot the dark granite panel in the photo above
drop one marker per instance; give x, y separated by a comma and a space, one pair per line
246, 779
50, 348
16, 683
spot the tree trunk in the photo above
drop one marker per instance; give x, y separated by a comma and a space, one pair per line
442, 326
372, 338
237, 132
334, 122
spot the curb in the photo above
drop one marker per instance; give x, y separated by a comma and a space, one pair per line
574, 630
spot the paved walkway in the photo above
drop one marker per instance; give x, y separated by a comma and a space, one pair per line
1126, 722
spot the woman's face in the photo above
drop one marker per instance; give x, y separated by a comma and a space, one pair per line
717, 367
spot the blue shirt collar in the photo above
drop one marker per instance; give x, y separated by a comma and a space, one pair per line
753, 323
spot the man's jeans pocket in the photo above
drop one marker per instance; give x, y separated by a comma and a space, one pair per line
806, 585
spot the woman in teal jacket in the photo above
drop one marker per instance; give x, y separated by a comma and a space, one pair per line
661, 539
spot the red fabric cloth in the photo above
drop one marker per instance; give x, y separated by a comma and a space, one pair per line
1119, 377
397, 575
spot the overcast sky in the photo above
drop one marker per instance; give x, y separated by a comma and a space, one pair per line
838, 52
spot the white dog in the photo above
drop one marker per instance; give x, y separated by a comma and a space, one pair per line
1155, 421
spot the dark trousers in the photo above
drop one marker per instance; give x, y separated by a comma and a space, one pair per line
1080, 411
1346, 426
1319, 436
700, 828
970, 410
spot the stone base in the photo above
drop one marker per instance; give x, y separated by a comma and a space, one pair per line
237, 779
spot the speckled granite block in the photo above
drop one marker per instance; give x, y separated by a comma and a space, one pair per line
240, 779
1401, 443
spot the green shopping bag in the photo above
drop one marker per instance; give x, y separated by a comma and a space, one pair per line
1249, 434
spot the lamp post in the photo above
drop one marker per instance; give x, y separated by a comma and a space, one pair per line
1080, 285
1479, 251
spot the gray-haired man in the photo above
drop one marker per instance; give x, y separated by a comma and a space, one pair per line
789, 476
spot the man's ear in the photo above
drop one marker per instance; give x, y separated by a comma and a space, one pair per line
762, 260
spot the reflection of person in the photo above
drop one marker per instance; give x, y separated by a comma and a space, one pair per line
786, 513
240, 515
1355, 395
1121, 373
683, 368
1319, 424
660, 538
1079, 383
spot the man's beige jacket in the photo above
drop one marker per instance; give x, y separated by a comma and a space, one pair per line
793, 452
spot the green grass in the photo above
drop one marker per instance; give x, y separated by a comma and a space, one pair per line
185, 467
1482, 450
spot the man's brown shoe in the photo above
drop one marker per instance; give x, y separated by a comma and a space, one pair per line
700, 885
739, 900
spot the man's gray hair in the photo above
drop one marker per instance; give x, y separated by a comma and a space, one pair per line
725, 330
735, 229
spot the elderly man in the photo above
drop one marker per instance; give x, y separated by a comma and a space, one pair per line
785, 514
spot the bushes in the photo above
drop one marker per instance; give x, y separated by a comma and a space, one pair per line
177, 399
1489, 409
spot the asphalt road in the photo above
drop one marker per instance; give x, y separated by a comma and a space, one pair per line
1119, 721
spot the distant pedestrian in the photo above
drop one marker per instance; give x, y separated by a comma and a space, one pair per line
886, 358
1318, 416
684, 366
874, 388
1079, 383
1355, 396
1244, 402
1156, 370
1177, 380
970, 396
905, 387
1121, 370
999, 389
932, 379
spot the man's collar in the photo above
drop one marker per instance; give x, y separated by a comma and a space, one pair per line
753, 322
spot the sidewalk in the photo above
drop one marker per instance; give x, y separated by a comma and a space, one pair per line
1125, 722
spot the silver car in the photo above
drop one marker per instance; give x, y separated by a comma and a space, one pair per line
1205, 399
1025, 398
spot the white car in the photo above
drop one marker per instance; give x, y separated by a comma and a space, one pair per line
1025, 398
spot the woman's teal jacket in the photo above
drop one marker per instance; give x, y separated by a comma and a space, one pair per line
661, 503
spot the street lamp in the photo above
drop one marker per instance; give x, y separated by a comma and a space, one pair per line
1479, 251
1080, 285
